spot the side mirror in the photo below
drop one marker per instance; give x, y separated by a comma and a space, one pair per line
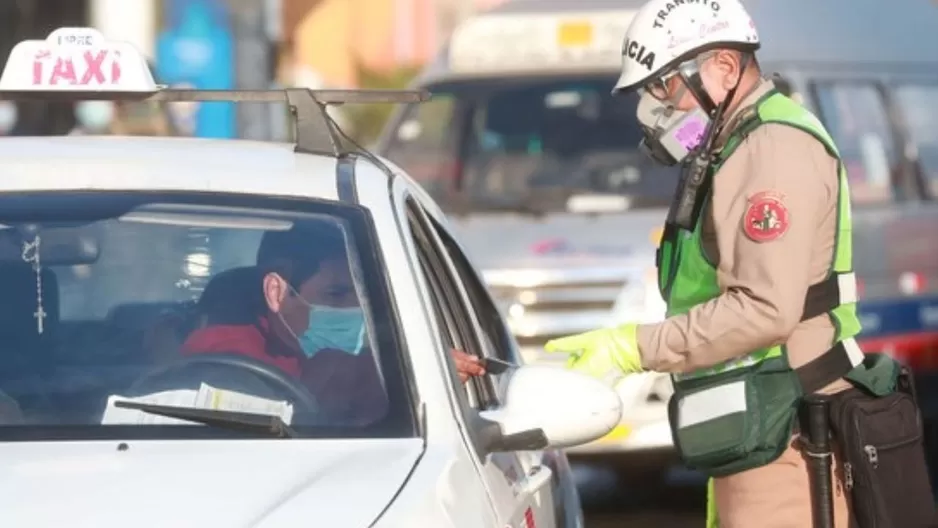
549, 406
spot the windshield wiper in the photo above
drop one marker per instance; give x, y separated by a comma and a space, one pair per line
232, 420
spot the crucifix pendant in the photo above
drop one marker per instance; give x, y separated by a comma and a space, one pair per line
40, 316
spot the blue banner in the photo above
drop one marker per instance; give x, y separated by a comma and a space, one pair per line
896, 317
196, 49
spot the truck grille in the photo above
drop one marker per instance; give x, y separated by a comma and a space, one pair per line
540, 306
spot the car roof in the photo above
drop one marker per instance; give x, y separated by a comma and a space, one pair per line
121, 163
139, 163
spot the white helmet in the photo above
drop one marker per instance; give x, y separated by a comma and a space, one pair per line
665, 33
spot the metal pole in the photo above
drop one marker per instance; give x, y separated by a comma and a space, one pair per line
816, 440
250, 28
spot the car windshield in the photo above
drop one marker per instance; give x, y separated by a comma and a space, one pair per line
516, 143
193, 300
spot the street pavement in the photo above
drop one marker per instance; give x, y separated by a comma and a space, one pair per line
678, 503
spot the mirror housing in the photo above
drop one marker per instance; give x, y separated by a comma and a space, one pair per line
549, 406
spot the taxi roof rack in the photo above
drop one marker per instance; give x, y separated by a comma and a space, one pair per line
316, 132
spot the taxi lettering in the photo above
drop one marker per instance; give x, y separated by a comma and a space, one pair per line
76, 40
88, 68
640, 54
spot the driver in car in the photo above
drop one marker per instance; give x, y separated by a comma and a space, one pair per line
304, 317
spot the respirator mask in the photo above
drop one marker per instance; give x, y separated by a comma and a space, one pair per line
670, 134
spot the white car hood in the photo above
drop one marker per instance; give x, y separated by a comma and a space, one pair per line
181, 484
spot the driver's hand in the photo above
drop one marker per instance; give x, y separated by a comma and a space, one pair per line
467, 365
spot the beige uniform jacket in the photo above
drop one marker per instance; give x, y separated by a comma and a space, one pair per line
764, 281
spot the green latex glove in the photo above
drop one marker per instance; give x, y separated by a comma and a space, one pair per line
601, 352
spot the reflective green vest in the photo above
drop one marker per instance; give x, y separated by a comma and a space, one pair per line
741, 414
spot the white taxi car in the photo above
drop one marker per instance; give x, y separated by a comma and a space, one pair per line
524, 143
223, 333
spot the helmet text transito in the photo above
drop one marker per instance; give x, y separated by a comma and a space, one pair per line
665, 33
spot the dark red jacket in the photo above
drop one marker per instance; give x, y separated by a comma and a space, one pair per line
347, 387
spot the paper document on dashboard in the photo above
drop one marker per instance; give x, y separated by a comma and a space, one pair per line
225, 400
114, 415
207, 397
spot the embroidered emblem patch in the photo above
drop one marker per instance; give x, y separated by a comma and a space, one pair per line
766, 219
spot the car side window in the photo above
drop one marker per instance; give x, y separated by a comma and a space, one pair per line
918, 104
493, 325
856, 116
462, 336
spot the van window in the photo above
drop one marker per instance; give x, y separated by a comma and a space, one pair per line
856, 117
428, 142
919, 107
517, 143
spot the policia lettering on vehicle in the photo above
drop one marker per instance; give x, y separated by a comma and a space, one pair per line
756, 268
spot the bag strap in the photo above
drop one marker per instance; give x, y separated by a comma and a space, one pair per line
836, 289
821, 298
830, 366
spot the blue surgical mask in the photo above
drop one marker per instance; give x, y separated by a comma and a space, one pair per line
331, 328
334, 328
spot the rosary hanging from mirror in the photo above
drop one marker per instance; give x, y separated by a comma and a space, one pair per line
31, 256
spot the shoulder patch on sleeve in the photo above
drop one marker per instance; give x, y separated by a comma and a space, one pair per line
766, 218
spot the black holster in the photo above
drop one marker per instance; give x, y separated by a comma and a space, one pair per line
814, 417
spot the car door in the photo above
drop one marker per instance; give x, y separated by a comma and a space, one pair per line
499, 343
520, 499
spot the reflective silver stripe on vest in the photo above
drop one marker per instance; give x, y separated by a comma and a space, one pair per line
710, 404
730, 398
847, 284
853, 351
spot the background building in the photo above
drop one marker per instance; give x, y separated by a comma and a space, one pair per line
315, 43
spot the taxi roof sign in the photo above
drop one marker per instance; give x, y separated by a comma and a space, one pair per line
76, 60
80, 64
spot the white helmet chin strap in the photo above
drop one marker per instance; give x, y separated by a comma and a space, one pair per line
690, 73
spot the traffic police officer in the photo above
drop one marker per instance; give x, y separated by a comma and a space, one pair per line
755, 263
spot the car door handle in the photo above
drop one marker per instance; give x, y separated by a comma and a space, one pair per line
537, 477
